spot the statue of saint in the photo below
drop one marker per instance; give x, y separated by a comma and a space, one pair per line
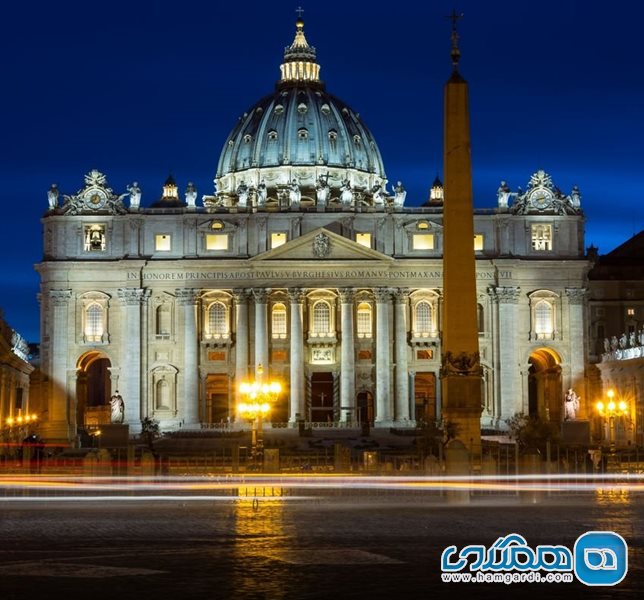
294, 194
118, 408
571, 405
135, 195
378, 196
346, 194
623, 342
261, 193
575, 197
399, 195
191, 195
613, 343
503, 195
242, 194
322, 190
631, 340
606, 345
52, 196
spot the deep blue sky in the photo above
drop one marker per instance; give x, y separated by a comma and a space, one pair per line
139, 89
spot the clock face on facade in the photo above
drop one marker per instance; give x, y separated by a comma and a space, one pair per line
541, 200
95, 199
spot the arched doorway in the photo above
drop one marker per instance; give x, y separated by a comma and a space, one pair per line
544, 385
93, 388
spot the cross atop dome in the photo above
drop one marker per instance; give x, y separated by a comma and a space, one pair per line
300, 58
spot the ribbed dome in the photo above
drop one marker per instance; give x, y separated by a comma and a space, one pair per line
299, 132
300, 124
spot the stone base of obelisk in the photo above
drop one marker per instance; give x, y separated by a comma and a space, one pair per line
461, 407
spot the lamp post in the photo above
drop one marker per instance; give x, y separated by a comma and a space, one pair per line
608, 412
258, 397
16, 429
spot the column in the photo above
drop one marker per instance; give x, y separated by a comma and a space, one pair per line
576, 299
383, 366
261, 328
241, 336
511, 397
58, 419
402, 375
347, 358
130, 380
188, 402
296, 297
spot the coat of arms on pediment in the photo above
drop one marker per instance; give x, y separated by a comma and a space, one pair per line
321, 245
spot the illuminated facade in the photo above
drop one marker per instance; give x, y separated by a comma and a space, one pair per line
301, 260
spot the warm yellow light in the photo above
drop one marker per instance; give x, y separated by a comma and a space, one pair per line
9, 421
600, 406
34, 417
19, 420
610, 393
611, 406
27, 418
622, 406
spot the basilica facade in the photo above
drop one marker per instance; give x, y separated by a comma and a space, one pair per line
307, 261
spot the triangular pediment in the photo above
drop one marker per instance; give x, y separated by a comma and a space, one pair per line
322, 244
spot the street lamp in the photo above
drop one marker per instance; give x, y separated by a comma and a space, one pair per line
258, 398
609, 412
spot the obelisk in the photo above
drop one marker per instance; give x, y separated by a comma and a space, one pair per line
461, 366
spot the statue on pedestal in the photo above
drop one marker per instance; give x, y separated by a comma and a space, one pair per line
118, 408
571, 405
322, 190
191, 195
294, 194
135, 195
346, 195
52, 196
242, 194
261, 193
399, 195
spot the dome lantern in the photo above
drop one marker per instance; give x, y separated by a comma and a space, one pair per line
300, 58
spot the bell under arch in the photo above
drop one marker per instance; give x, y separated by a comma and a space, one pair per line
544, 385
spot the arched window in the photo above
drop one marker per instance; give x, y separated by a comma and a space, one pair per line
423, 318
163, 395
163, 320
217, 320
480, 318
278, 320
544, 319
94, 323
364, 320
321, 317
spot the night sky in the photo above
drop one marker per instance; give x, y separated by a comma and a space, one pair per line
141, 89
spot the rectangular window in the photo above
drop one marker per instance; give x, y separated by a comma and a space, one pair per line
278, 239
364, 239
162, 242
424, 354
478, 242
542, 237
423, 241
630, 312
217, 241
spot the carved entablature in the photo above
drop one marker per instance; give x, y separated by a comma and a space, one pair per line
576, 295
94, 198
461, 364
505, 295
540, 197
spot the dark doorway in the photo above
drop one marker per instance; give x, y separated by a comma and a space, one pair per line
98, 382
217, 409
425, 397
322, 397
365, 408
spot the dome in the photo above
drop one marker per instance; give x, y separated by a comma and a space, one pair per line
300, 133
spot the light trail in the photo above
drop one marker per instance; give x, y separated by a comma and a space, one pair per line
274, 486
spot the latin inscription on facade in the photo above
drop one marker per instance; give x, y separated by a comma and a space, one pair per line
298, 275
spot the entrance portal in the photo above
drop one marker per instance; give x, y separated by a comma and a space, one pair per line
545, 397
322, 397
425, 397
217, 408
365, 408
